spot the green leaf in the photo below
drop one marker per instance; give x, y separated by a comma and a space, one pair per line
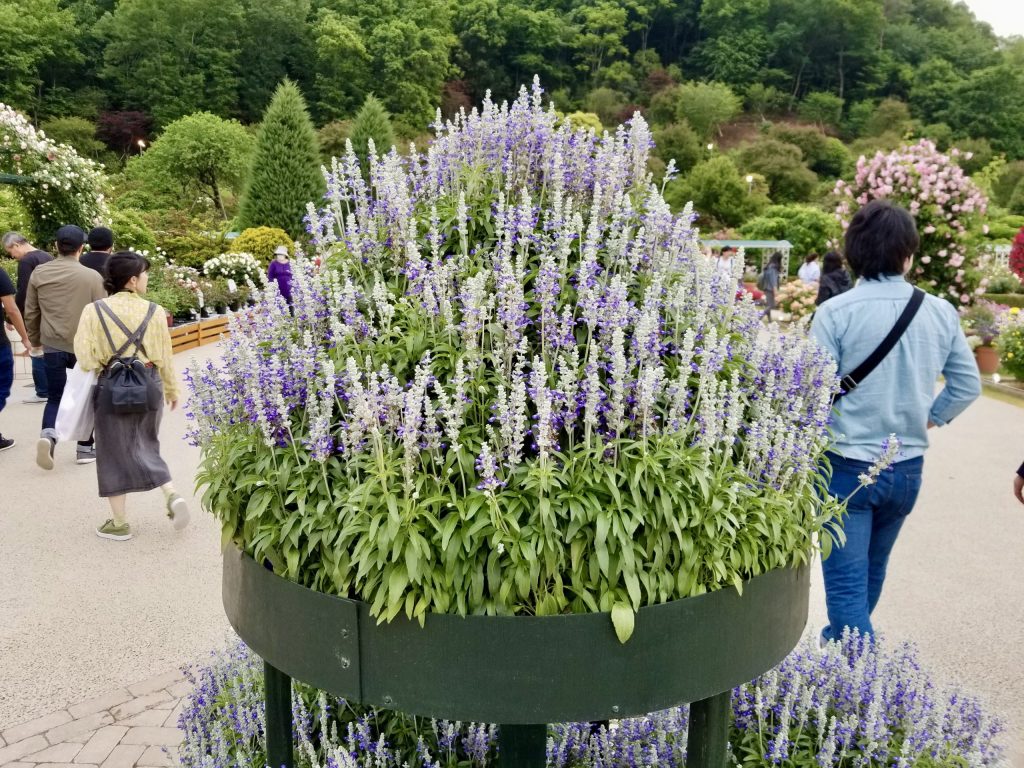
623, 619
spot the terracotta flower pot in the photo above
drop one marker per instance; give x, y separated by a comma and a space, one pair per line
987, 359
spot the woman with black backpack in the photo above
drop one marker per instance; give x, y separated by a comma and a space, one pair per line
124, 339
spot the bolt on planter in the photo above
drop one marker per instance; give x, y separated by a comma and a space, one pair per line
520, 671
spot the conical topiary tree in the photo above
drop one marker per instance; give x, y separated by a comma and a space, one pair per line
372, 122
285, 173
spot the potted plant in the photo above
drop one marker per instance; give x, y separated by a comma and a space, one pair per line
1011, 343
981, 323
217, 295
513, 419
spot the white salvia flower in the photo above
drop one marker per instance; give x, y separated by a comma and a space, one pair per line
617, 399
890, 450
542, 404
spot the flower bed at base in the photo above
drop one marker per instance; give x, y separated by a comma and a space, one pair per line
861, 703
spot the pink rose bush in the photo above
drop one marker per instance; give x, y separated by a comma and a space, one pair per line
944, 201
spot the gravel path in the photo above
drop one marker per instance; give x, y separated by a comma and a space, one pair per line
83, 616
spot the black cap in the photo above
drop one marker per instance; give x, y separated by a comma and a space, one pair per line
100, 239
70, 238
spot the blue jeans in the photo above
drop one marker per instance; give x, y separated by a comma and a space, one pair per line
855, 572
57, 365
6, 373
39, 376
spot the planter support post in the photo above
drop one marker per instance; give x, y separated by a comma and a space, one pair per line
522, 746
709, 732
279, 717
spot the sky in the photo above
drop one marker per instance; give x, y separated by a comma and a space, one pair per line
1006, 17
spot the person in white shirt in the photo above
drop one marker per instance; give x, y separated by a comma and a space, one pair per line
809, 271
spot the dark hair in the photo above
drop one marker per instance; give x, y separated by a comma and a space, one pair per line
122, 267
880, 239
810, 257
100, 239
728, 249
831, 262
776, 259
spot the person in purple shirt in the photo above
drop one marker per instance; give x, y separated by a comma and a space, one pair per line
280, 271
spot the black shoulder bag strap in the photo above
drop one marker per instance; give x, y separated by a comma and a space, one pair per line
133, 337
853, 379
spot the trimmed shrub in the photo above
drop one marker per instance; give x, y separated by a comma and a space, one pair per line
606, 103
285, 174
261, 242
131, 231
809, 229
707, 106
372, 122
782, 165
718, 192
678, 142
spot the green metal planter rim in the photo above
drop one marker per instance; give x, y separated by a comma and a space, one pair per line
518, 669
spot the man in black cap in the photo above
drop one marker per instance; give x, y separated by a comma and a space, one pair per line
101, 243
57, 293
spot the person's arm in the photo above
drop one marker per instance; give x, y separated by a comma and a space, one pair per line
91, 347
24, 275
161, 354
824, 292
823, 332
963, 382
1018, 484
15, 319
32, 314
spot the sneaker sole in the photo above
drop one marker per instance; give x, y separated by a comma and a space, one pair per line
179, 514
32, 401
7, 447
44, 453
90, 460
114, 536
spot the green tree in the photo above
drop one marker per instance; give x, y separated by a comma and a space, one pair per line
821, 108
372, 122
988, 104
782, 166
399, 49
279, 34
718, 193
706, 106
889, 115
809, 229
764, 99
174, 58
606, 104
678, 142
76, 132
200, 153
285, 173
37, 35
602, 26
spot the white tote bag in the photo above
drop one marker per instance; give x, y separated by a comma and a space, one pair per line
76, 417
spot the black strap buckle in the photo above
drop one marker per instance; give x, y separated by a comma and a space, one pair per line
849, 383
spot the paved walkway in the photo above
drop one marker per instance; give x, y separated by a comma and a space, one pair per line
83, 618
126, 727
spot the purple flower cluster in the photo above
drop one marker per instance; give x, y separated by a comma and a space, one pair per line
542, 262
856, 703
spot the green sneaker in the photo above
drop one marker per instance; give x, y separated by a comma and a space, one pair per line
114, 532
177, 511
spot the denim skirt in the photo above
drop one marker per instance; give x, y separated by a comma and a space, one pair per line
128, 448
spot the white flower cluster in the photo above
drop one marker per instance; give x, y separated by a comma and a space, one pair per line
240, 267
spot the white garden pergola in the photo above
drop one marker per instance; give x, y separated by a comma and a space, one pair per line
766, 247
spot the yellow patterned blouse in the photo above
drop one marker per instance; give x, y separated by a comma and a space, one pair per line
93, 349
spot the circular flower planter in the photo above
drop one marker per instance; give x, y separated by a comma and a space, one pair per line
520, 671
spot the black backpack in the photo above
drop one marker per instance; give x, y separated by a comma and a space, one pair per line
126, 385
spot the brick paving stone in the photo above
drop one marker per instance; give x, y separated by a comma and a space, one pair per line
19, 749
156, 683
101, 744
161, 737
151, 717
2, 742
100, 703
81, 738
60, 765
22, 731
79, 726
155, 757
19, 765
124, 756
140, 704
172, 718
59, 753
179, 689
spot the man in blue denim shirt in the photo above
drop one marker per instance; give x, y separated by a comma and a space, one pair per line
898, 397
